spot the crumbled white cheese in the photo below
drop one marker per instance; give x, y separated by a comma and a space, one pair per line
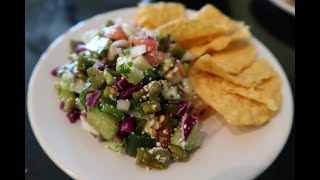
183, 144
155, 149
158, 144
158, 157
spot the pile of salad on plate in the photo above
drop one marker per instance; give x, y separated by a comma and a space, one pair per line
129, 87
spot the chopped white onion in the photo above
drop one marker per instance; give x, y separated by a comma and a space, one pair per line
123, 105
115, 48
137, 50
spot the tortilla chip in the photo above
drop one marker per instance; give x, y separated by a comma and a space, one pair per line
268, 92
248, 77
209, 12
235, 58
153, 15
235, 109
191, 32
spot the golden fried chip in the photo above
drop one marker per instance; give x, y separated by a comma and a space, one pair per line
235, 109
248, 77
235, 58
268, 92
209, 12
221, 42
190, 32
153, 15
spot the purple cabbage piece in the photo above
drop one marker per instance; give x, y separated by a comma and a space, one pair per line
80, 48
101, 67
187, 124
93, 98
184, 108
54, 71
172, 42
122, 84
62, 105
128, 93
73, 115
125, 127
127, 124
120, 135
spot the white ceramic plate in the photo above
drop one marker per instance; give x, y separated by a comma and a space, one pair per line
285, 5
226, 152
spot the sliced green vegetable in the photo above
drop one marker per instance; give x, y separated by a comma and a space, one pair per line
103, 123
157, 158
135, 141
151, 107
193, 141
112, 111
109, 92
109, 78
96, 77
139, 94
178, 154
119, 146
83, 94
172, 123
155, 89
139, 125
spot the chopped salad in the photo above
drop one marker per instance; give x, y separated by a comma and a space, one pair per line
129, 87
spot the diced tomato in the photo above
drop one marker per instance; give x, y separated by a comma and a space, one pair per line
202, 111
155, 58
151, 44
181, 69
116, 33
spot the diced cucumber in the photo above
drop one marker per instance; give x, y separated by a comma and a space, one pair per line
168, 64
141, 63
106, 125
187, 88
119, 146
170, 93
134, 76
178, 154
193, 141
109, 78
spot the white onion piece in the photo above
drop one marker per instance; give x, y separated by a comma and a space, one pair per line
123, 105
87, 127
137, 50
115, 48
120, 43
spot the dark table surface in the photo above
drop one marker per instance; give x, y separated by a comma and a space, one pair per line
46, 19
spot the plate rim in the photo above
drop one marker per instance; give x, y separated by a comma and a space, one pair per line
52, 156
284, 6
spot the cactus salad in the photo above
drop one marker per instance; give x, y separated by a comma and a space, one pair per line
129, 87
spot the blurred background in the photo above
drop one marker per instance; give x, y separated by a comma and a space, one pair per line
45, 20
